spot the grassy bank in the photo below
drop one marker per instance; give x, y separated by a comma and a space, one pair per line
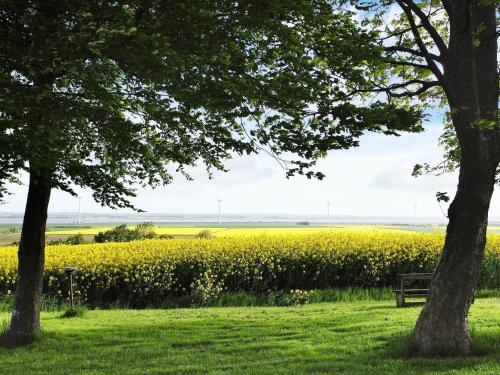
353, 338
245, 299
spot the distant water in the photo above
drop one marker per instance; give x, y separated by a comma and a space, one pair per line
234, 219
89, 218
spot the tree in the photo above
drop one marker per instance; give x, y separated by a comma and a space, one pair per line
111, 95
435, 54
444, 53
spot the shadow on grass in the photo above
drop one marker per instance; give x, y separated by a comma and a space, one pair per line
484, 344
235, 345
414, 304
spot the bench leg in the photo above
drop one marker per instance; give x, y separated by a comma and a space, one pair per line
400, 300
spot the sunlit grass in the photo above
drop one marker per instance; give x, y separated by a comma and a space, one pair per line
350, 338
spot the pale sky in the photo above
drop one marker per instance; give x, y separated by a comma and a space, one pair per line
371, 180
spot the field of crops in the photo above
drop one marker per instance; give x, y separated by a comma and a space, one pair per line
235, 231
144, 273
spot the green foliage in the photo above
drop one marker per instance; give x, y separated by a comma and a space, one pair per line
122, 233
118, 234
294, 297
442, 197
111, 95
239, 299
74, 312
205, 289
76, 239
57, 241
165, 237
145, 231
4, 327
416, 39
206, 233
451, 155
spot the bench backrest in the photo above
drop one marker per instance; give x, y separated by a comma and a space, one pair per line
414, 276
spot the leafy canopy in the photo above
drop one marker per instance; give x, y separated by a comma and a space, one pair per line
108, 95
415, 36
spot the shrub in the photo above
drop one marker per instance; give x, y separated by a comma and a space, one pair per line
57, 241
76, 239
145, 231
122, 233
74, 312
204, 234
118, 234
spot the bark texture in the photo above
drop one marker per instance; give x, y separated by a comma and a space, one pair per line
471, 86
25, 322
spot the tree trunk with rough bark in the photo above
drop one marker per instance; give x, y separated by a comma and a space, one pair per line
25, 322
472, 90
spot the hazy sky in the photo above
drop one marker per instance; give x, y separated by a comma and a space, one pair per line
372, 180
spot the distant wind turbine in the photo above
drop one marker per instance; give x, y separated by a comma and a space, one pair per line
79, 210
219, 201
328, 209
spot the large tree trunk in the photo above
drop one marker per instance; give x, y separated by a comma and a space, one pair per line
472, 91
442, 326
25, 322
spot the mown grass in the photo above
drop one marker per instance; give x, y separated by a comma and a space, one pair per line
364, 337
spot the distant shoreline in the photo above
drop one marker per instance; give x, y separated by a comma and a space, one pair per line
229, 219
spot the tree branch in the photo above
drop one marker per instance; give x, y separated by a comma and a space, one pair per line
412, 52
389, 90
426, 85
424, 19
418, 39
408, 63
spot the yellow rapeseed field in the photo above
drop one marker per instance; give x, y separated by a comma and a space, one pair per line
234, 231
146, 272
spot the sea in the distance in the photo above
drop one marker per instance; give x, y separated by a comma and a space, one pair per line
227, 219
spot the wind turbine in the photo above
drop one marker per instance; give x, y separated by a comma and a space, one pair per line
328, 210
219, 201
415, 213
79, 210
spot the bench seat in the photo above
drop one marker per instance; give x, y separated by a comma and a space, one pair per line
411, 292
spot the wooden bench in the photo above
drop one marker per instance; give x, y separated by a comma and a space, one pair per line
406, 291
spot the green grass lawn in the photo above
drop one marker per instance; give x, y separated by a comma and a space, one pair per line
352, 338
